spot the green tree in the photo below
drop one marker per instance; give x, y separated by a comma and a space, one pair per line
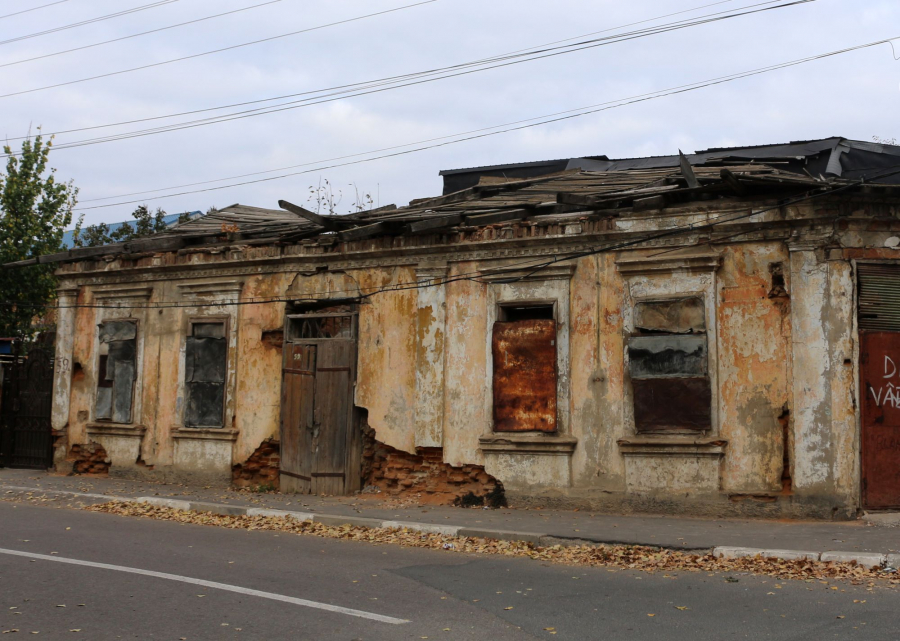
145, 224
35, 209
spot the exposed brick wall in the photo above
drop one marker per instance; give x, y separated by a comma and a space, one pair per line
261, 469
425, 476
89, 458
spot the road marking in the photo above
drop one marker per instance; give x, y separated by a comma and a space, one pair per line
212, 584
36, 490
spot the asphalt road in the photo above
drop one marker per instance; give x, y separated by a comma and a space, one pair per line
262, 585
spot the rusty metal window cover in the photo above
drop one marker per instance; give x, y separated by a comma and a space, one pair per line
525, 375
116, 371
879, 297
316, 327
205, 372
669, 367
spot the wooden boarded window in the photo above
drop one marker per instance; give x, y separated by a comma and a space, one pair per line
205, 362
524, 377
116, 371
668, 365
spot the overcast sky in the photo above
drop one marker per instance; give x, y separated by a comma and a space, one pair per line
854, 95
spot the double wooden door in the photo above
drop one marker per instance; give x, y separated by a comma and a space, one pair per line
321, 445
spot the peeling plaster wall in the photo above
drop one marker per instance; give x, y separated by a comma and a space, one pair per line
754, 367
386, 378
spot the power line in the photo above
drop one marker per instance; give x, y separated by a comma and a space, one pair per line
214, 51
474, 275
108, 16
43, 6
393, 82
358, 86
136, 35
515, 126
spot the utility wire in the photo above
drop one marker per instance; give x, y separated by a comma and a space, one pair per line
516, 126
43, 6
74, 25
282, 97
384, 84
220, 50
531, 264
137, 35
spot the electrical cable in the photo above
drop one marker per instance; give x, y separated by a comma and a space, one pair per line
43, 6
136, 35
108, 16
220, 50
529, 264
366, 83
552, 118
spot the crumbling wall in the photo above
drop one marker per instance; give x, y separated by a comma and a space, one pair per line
425, 477
89, 458
261, 469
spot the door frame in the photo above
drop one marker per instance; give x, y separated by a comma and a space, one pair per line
352, 479
857, 334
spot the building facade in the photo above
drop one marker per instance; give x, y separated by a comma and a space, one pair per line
721, 336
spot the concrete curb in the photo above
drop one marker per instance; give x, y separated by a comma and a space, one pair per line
866, 559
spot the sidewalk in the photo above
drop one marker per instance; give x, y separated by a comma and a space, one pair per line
527, 524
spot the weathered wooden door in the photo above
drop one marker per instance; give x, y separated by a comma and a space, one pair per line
880, 388
320, 443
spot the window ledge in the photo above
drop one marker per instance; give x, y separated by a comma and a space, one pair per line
204, 434
116, 429
529, 443
672, 446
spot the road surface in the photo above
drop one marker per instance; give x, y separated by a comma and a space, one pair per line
71, 574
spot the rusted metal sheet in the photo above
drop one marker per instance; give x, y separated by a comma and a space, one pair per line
525, 376
880, 387
683, 316
672, 404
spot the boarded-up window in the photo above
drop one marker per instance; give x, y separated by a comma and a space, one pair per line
524, 353
116, 371
205, 359
669, 367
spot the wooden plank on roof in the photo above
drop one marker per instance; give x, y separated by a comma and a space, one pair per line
432, 224
497, 217
326, 222
367, 231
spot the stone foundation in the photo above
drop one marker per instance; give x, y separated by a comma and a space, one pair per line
261, 469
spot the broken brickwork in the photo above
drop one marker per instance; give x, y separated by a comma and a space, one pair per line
425, 476
89, 458
261, 469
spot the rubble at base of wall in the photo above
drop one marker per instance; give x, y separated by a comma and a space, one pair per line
89, 458
425, 477
261, 469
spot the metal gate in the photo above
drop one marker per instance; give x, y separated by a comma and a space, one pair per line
26, 435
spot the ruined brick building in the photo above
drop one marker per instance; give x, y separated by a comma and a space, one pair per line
717, 333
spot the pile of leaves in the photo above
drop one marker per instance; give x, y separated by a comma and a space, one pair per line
631, 557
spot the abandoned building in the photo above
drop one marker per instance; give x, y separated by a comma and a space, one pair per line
717, 333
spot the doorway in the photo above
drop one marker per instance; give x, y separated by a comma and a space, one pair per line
321, 444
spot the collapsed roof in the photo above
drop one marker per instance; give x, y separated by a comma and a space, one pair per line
830, 157
611, 187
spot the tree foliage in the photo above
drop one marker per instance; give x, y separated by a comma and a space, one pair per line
145, 224
35, 209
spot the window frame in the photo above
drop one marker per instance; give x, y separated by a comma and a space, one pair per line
137, 372
189, 333
708, 378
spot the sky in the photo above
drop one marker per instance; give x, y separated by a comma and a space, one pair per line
854, 95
